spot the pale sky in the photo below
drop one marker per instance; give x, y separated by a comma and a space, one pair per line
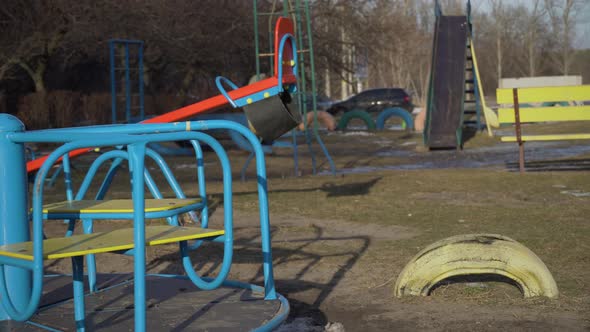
583, 19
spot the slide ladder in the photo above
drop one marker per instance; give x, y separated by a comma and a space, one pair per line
471, 102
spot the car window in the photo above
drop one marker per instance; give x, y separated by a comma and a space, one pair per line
397, 93
370, 95
359, 97
380, 94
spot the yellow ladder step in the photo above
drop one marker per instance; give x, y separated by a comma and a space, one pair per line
111, 241
117, 205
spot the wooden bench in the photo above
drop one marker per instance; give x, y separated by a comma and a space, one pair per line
513, 114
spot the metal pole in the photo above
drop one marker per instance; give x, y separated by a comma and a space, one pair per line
140, 78
477, 95
14, 224
271, 49
301, 79
127, 86
518, 131
137, 166
113, 83
256, 46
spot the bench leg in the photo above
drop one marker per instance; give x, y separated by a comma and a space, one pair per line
78, 284
521, 157
518, 131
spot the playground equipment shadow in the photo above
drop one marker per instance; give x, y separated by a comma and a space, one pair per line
225, 309
339, 242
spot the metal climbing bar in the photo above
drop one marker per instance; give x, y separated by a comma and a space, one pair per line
300, 12
125, 46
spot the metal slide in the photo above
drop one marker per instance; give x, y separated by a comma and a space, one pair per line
446, 95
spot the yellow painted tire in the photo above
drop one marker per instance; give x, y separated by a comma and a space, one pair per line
473, 254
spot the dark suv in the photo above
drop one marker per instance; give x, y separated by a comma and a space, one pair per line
374, 100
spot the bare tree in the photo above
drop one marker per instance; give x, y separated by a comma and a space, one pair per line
33, 33
534, 29
498, 14
342, 28
186, 45
563, 18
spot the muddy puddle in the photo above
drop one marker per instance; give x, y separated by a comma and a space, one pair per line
538, 155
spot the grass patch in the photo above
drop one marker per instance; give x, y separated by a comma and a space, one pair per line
534, 209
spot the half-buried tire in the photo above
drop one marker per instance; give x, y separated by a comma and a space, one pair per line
395, 111
476, 254
356, 114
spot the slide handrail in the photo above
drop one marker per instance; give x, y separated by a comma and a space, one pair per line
488, 113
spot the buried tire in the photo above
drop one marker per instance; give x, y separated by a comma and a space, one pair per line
356, 114
476, 254
395, 111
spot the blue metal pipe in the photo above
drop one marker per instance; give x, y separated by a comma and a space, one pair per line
286, 37
136, 166
227, 225
78, 281
118, 155
113, 83
116, 136
108, 179
201, 183
14, 227
127, 86
140, 79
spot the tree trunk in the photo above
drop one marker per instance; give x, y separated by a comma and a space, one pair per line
36, 75
532, 58
38, 80
499, 58
327, 82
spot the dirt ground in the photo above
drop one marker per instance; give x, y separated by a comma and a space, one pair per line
340, 241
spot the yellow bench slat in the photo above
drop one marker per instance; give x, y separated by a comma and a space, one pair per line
557, 137
544, 94
117, 205
115, 240
545, 114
